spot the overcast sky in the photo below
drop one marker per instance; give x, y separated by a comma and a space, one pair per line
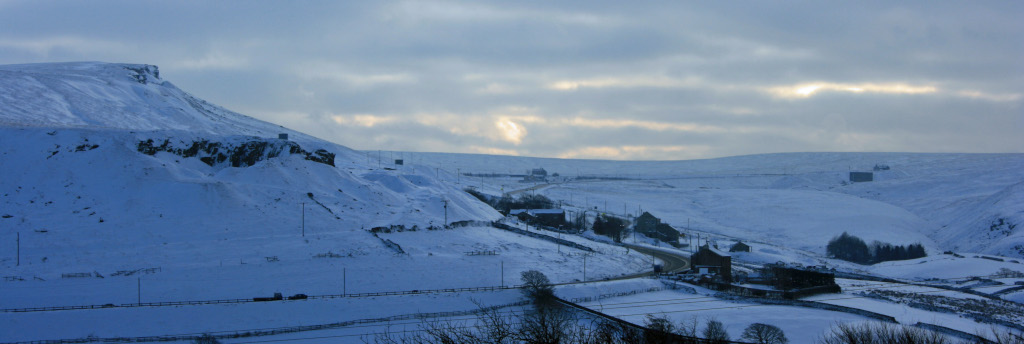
616, 80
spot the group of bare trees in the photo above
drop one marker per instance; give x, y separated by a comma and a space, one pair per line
884, 333
551, 322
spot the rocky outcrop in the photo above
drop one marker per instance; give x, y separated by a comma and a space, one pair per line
242, 154
143, 73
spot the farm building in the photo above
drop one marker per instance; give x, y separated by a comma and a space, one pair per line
786, 278
544, 217
861, 176
740, 247
536, 175
652, 227
710, 260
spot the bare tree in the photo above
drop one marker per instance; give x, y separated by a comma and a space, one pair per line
659, 330
1002, 337
872, 333
608, 332
537, 287
494, 326
764, 334
689, 327
715, 332
546, 325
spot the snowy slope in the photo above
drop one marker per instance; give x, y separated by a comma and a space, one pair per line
80, 188
119, 187
121, 96
970, 202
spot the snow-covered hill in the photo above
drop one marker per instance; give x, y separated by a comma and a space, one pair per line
114, 96
103, 160
118, 187
963, 202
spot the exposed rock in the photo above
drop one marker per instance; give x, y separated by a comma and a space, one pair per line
239, 155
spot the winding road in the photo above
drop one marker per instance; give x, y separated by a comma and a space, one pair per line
673, 262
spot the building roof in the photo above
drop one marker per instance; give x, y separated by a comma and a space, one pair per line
738, 246
716, 251
536, 211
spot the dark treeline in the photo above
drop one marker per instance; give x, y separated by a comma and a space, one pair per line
610, 226
854, 249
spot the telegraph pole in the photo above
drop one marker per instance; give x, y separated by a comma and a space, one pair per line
139, 289
445, 213
303, 219
559, 239
584, 268
18, 243
503, 274
344, 282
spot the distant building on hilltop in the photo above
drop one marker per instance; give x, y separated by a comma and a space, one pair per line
536, 175
710, 260
857, 177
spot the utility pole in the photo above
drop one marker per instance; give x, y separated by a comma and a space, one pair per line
18, 243
559, 239
139, 289
303, 219
503, 274
584, 268
445, 213
344, 282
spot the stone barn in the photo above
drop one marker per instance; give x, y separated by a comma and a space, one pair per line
710, 260
544, 217
859, 177
740, 247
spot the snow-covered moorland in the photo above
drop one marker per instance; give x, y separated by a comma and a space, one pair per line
117, 188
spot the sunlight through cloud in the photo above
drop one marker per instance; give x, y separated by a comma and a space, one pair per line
810, 89
511, 131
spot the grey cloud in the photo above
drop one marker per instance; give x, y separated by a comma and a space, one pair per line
706, 64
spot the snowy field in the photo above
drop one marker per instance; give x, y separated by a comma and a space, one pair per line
226, 319
801, 325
